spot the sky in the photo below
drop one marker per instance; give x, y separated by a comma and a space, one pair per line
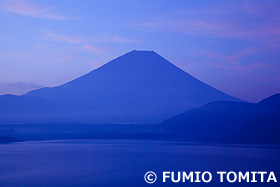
233, 46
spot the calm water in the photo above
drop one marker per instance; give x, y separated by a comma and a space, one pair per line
124, 162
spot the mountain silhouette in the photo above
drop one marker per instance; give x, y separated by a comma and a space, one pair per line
228, 121
4, 139
138, 87
14, 109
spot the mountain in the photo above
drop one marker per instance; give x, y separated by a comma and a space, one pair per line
4, 139
21, 109
228, 121
138, 87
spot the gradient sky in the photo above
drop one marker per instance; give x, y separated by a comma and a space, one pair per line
231, 45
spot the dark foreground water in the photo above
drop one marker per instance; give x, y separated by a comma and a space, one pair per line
124, 162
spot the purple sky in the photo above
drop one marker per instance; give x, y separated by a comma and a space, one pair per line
230, 45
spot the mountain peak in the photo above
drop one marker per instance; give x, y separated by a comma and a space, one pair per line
139, 59
142, 52
139, 86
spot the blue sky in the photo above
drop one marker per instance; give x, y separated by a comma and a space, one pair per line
231, 45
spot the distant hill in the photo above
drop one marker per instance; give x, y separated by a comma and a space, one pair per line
138, 87
4, 139
21, 109
226, 121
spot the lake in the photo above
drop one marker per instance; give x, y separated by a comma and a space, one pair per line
125, 162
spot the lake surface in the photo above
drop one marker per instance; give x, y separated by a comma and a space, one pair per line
125, 162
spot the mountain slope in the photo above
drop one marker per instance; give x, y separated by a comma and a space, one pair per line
139, 86
19, 109
4, 139
230, 121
